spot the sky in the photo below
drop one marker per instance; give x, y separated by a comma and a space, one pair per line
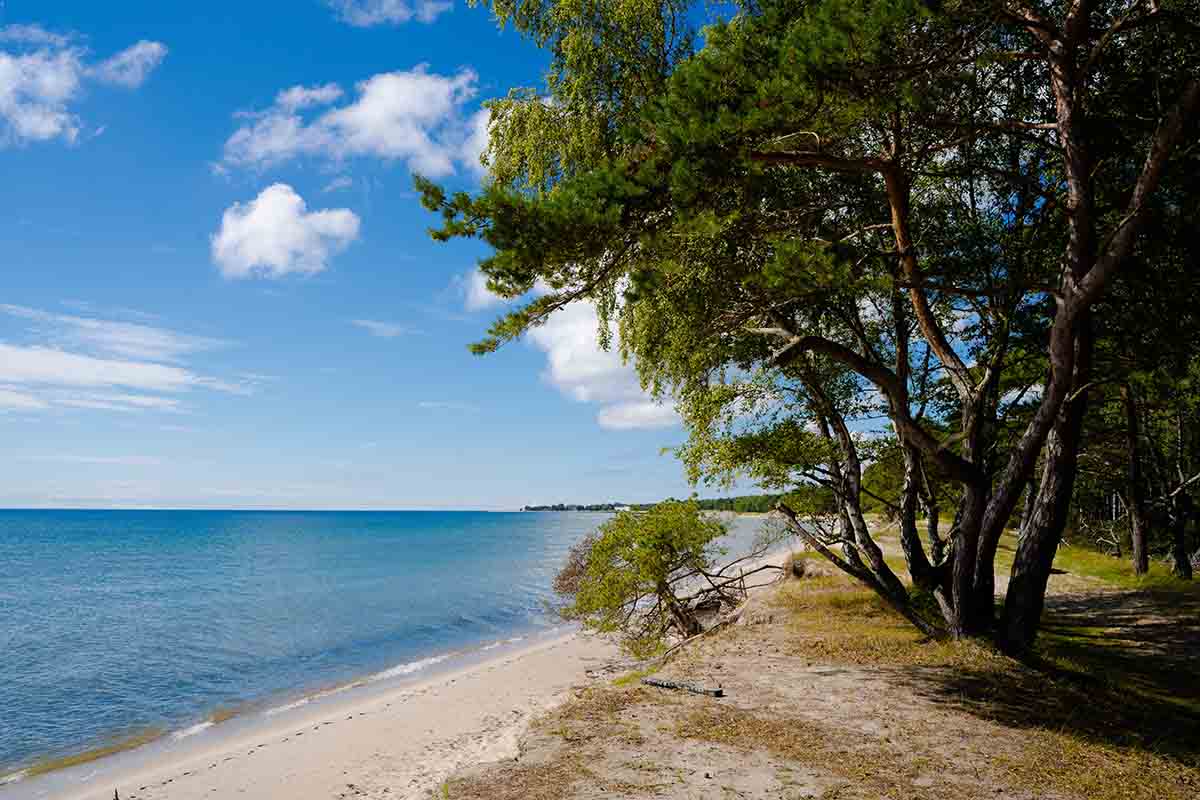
217, 288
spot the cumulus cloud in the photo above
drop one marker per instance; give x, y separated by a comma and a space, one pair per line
476, 295
366, 13
478, 128
578, 367
641, 414
415, 116
131, 67
42, 73
275, 234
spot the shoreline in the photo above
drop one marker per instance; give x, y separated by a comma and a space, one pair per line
527, 673
339, 743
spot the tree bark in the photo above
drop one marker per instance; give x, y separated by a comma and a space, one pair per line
1181, 560
1047, 517
923, 574
1139, 522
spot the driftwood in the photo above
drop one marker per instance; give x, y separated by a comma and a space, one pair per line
687, 687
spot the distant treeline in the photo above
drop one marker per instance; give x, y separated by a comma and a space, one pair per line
744, 504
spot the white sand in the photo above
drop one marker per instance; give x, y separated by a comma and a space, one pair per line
401, 744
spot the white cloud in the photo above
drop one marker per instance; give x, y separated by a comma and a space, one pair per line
385, 330
365, 13
49, 366
43, 73
476, 295
299, 97
11, 399
414, 116
339, 183
35, 89
124, 339
95, 363
275, 234
32, 34
477, 140
131, 66
579, 368
643, 414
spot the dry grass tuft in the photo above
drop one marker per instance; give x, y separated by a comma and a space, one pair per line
871, 768
551, 780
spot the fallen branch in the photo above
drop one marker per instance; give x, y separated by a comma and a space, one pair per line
687, 687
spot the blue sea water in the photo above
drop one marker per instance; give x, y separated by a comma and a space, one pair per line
118, 621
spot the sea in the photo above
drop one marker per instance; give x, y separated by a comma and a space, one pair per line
118, 627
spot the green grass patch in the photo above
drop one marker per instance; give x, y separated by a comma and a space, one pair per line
634, 677
1119, 571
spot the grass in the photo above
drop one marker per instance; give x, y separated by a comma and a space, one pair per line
863, 766
1101, 717
634, 677
1119, 572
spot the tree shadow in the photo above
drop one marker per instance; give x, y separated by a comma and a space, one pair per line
1118, 668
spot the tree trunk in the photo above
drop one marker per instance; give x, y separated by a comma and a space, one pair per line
967, 618
922, 572
685, 621
1180, 511
1026, 595
1139, 523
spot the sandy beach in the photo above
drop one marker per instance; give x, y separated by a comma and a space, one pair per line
399, 744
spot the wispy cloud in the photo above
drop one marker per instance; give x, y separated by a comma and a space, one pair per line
124, 339
132, 66
384, 330
121, 461
77, 362
448, 405
367, 13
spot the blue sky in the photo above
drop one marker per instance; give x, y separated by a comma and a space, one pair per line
217, 286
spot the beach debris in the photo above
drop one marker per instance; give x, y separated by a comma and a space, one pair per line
682, 686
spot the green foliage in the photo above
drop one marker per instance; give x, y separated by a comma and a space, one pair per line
624, 578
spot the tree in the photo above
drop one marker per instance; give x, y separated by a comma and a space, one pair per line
644, 575
838, 206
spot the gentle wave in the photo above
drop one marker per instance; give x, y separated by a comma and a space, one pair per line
409, 668
13, 777
199, 727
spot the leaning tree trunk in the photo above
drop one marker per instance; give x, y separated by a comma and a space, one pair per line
1139, 523
1047, 516
684, 620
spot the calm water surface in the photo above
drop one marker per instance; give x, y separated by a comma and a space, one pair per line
117, 621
